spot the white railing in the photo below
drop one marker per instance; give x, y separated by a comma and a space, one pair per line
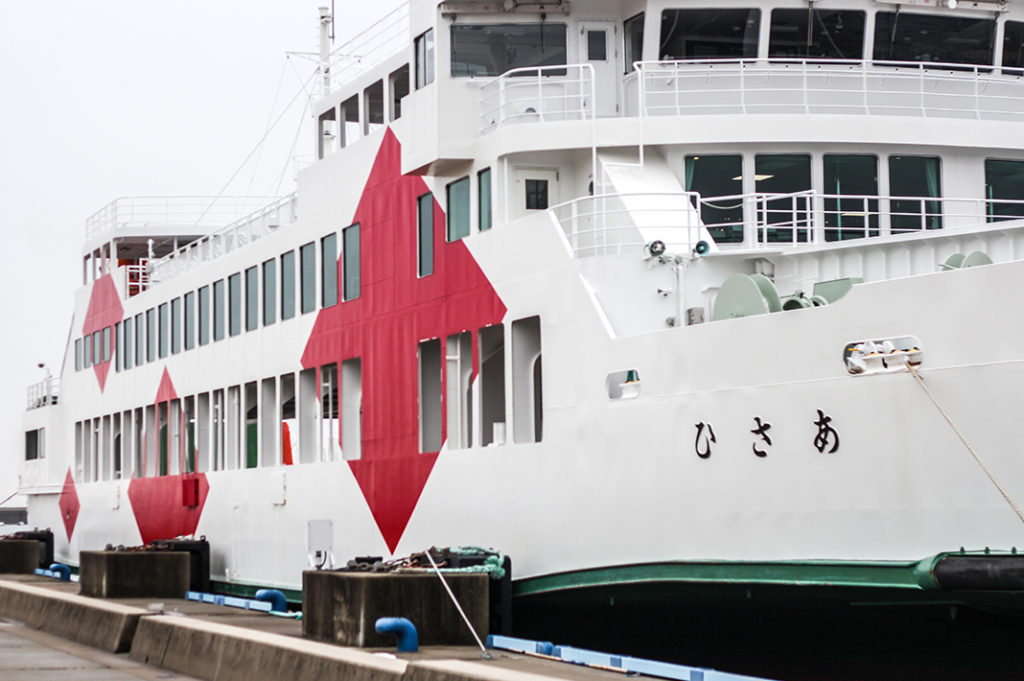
172, 214
212, 246
617, 223
538, 94
369, 48
44, 393
744, 86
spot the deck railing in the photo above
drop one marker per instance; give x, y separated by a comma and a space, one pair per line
193, 214
538, 94
44, 393
745, 86
617, 223
386, 37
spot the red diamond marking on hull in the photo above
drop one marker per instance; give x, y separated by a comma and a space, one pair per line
104, 310
68, 504
383, 326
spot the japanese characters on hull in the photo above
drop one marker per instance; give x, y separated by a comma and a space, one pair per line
825, 440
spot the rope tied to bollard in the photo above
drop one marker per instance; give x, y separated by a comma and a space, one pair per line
483, 650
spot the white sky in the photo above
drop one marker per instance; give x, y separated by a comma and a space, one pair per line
111, 98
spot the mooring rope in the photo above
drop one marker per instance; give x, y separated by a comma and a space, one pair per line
974, 453
483, 650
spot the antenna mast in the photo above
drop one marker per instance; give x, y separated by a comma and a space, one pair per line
325, 46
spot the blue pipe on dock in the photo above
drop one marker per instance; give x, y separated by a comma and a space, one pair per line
408, 640
277, 601
61, 569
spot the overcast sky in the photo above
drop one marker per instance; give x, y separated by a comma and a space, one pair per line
111, 98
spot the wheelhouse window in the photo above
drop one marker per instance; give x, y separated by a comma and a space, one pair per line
307, 284
709, 33
1013, 45
493, 49
901, 36
633, 40
788, 175
484, 199
252, 298
458, 209
423, 50
812, 32
850, 182
398, 86
329, 270
288, 285
425, 235
1004, 180
917, 177
350, 253
713, 177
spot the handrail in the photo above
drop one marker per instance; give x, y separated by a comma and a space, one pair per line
43, 393
202, 212
538, 93
384, 38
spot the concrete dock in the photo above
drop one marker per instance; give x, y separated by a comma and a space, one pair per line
215, 643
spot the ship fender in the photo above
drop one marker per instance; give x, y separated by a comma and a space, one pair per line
980, 573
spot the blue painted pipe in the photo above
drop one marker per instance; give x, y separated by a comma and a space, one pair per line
277, 601
408, 640
61, 569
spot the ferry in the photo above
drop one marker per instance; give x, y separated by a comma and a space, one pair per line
671, 302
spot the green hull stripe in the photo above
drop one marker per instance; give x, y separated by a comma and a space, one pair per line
875, 574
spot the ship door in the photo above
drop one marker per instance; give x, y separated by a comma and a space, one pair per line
598, 47
536, 189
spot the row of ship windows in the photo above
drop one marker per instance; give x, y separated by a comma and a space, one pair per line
159, 331
316, 415
918, 178
202, 316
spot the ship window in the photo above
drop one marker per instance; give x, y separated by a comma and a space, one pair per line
329, 270
458, 209
307, 257
138, 443
425, 234
163, 437
597, 46
715, 177
234, 426
492, 385
235, 304
287, 433
900, 36
251, 427
202, 433
430, 395
164, 329
307, 416
218, 424
709, 33
87, 351
106, 344
176, 326
423, 48
459, 389
833, 34
373, 107
633, 40
218, 310
783, 174
329, 405
326, 137
918, 177
398, 84
204, 315
493, 49
484, 198
349, 120
252, 298
33, 444
527, 401
288, 285
140, 340
850, 181
189, 436
117, 346
536, 194
269, 291
151, 335
190, 320
1004, 180
78, 354
352, 408
97, 348
350, 249
269, 426
127, 344
1013, 46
